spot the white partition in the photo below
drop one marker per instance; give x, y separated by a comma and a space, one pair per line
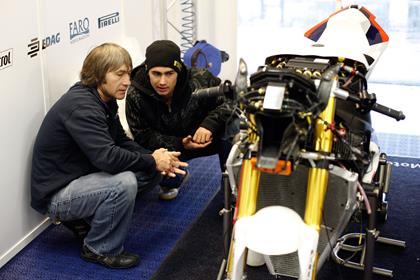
20, 117
81, 25
216, 22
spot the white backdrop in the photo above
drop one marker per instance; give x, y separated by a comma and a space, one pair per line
63, 61
22, 111
41, 52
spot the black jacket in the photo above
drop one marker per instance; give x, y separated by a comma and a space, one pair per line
154, 125
80, 135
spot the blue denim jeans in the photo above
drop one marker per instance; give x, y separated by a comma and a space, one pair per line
106, 202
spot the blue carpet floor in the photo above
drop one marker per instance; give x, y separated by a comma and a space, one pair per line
156, 227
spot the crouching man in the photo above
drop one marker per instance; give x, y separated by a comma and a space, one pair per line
85, 172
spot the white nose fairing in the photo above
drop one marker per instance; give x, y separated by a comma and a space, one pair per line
351, 32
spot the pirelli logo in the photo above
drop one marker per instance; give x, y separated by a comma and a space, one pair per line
107, 20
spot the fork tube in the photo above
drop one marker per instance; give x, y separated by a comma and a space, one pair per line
247, 199
318, 176
250, 178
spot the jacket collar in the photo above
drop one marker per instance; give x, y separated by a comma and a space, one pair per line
110, 106
182, 92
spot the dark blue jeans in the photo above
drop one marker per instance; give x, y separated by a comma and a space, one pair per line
106, 201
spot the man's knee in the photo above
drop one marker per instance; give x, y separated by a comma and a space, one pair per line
147, 181
128, 184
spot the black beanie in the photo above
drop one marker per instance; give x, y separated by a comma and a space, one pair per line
163, 53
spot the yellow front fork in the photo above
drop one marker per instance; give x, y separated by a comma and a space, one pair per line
250, 179
318, 176
247, 199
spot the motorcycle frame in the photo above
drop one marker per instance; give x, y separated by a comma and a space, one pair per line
316, 190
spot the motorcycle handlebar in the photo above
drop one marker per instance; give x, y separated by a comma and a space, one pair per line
224, 89
397, 115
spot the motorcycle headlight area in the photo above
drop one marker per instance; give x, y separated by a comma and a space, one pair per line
284, 103
282, 90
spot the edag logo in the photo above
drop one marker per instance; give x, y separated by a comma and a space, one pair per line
36, 45
6, 58
79, 30
107, 20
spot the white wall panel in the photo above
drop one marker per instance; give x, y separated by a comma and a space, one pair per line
139, 30
77, 23
216, 23
22, 111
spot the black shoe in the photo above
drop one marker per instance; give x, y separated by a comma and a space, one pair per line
123, 260
80, 228
168, 194
170, 189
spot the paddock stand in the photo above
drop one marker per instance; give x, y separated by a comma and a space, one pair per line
227, 214
368, 239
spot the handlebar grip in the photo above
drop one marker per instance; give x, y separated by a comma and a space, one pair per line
398, 115
224, 89
209, 92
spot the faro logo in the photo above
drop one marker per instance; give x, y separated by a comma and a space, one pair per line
6, 58
79, 30
36, 45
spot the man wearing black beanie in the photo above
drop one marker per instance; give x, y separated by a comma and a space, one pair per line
161, 111
163, 53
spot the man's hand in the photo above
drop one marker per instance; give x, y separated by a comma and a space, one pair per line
168, 163
189, 144
202, 135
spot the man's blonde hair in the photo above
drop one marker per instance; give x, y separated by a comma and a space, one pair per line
102, 59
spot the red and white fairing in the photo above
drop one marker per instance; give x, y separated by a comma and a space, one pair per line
351, 32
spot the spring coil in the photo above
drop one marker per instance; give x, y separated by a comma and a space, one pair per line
188, 25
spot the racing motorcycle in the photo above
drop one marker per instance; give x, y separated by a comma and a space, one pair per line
305, 161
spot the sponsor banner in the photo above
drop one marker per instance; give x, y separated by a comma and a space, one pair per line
108, 20
79, 30
411, 165
36, 45
6, 58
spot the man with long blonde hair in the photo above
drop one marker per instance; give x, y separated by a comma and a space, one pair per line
86, 173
